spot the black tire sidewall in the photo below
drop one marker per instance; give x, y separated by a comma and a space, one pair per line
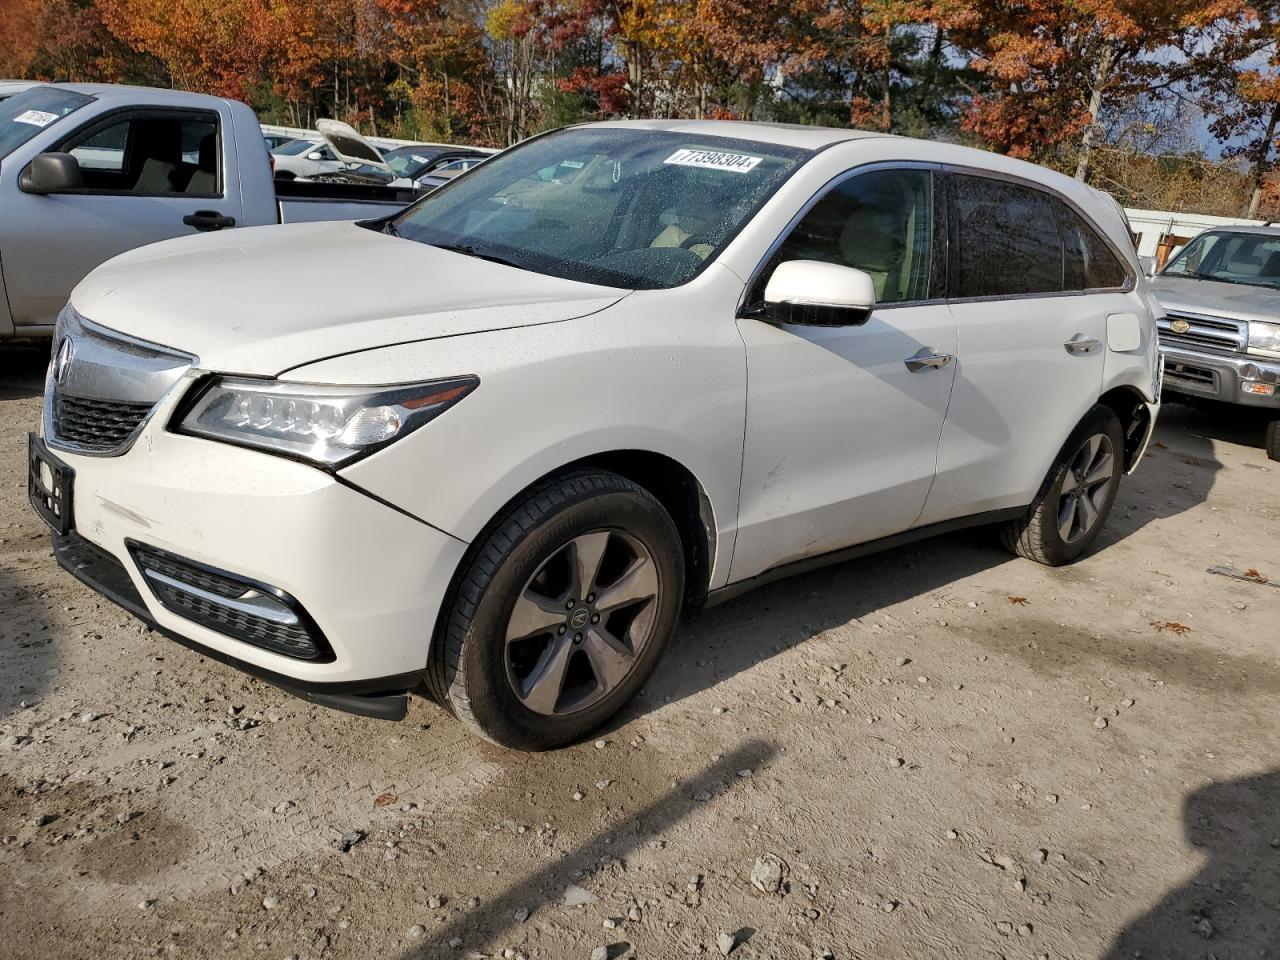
493, 704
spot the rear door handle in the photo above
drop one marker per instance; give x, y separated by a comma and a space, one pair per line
205, 220
927, 360
1082, 344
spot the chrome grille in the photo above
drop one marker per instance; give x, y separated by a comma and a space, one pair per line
1211, 333
103, 385
99, 425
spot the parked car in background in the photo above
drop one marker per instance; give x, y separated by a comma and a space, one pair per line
422, 160
496, 442
413, 167
88, 171
1221, 335
307, 158
276, 140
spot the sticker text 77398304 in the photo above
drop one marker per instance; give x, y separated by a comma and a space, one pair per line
714, 160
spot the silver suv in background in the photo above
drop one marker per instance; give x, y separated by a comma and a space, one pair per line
1221, 338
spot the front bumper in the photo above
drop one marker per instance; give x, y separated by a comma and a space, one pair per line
1220, 376
371, 578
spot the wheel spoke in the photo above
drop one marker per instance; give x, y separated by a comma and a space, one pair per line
1068, 481
1099, 471
638, 582
1086, 513
1089, 452
1066, 518
610, 659
588, 550
546, 680
533, 614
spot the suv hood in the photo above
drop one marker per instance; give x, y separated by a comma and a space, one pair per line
262, 300
1235, 301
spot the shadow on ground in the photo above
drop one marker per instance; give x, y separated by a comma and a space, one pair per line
545, 888
22, 371
1228, 909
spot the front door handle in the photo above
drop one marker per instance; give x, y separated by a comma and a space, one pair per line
205, 220
1082, 344
926, 359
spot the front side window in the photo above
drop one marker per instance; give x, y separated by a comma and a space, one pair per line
880, 222
638, 209
150, 156
26, 114
1248, 258
1005, 239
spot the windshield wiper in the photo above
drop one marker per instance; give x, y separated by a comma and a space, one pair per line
1208, 276
470, 251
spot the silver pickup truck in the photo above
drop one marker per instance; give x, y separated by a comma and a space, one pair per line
1221, 338
88, 171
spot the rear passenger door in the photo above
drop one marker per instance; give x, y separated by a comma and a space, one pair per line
1031, 286
144, 171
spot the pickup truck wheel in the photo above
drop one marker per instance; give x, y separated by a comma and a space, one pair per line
1072, 507
1271, 442
562, 610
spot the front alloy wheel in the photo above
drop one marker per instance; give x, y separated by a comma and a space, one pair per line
580, 623
1085, 487
561, 610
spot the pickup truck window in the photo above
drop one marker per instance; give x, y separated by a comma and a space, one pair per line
150, 155
1235, 257
24, 116
638, 209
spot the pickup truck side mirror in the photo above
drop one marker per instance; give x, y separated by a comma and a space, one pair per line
51, 173
817, 294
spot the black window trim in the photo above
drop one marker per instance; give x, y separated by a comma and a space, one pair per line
110, 118
950, 170
941, 214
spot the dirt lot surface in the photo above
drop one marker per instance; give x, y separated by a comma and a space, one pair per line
952, 753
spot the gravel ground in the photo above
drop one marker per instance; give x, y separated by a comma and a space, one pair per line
934, 752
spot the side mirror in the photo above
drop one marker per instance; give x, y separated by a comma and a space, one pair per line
51, 173
315, 156
817, 294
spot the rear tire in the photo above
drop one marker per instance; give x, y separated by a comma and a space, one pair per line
563, 607
1075, 499
1271, 442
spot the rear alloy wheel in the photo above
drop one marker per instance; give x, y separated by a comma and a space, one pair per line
1073, 504
562, 610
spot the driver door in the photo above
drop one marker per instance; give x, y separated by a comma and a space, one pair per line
842, 431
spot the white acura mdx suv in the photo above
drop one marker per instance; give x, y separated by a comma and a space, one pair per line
618, 370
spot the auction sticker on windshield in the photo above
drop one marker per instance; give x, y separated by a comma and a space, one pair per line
714, 160
38, 118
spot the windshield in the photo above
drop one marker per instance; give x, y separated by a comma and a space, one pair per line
1230, 257
407, 161
293, 148
25, 115
639, 209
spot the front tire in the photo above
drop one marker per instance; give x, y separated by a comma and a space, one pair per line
1271, 442
1076, 497
564, 606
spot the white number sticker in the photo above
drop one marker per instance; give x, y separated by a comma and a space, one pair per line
37, 118
714, 160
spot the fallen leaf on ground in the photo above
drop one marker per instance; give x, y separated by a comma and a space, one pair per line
1253, 574
1172, 626
384, 799
1018, 601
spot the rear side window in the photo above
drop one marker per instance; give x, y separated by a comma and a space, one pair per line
1005, 239
1088, 263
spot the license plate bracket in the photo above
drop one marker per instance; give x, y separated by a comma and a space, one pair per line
49, 483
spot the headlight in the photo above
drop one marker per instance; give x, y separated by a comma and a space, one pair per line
1264, 338
329, 425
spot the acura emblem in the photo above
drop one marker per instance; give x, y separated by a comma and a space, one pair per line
1179, 326
62, 361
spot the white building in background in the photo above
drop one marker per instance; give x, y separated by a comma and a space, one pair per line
1159, 233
